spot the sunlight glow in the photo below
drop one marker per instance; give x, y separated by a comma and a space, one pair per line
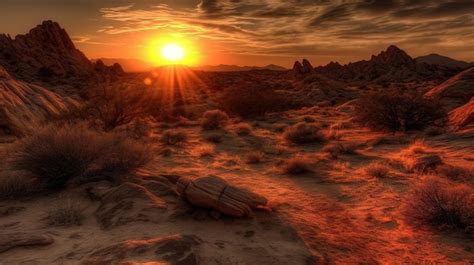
173, 52
166, 50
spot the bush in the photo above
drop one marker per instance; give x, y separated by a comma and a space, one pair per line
455, 173
57, 155
338, 149
67, 215
173, 137
254, 157
303, 133
441, 205
297, 166
243, 129
377, 170
398, 111
16, 186
214, 120
253, 102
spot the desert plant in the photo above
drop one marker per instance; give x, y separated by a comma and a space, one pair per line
56, 155
303, 133
65, 215
377, 170
16, 186
254, 157
214, 138
297, 166
441, 204
214, 120
243, 129
338, 149
173, 137
455, 173
398, 111
253, 102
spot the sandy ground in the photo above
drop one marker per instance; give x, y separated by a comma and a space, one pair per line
336, 214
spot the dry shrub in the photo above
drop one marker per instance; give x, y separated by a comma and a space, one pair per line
338, 149
398, 111
297, 166
65, 215
214, 120
16, 186
303, 133
377, 170
253, 102
57, 155
441, 205
214, 138
173, 137
254, 157
455, 173
206, 151
243, 129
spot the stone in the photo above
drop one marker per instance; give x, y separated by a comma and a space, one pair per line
14, 240
174, 249
462, 116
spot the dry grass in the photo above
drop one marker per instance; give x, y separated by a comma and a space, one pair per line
303, 133
377, 170
297, 166
57, 155
254, 157
65, 215
455, 173
441, 204
214, 120
206, 151
214, 138
243, 129
16, 186
337, 149
173, 137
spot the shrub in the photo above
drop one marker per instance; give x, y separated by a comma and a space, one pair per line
67, 215
214, 120
377, 170
214, 138
243, 129
57, 155
173, 137
397, 111
16, 186
441, 205
297, 166
303, 133
254, 157
455, 173
341, 149
253, 102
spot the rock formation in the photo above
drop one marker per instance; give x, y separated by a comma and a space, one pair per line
302, 68
212, 192
24, 106
457, 90
45, 52
462, 116
391, 65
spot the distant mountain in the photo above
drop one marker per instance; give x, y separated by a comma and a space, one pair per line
236, 68
45, 52
391, 65
128, 65
443, 61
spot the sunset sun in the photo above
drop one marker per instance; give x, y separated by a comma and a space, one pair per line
173, 52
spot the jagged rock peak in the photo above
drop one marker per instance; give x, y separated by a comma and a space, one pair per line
394, 56
302, 68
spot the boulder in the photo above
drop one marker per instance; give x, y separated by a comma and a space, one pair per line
455, 91
215, 193
129, 203
14, 240
175, 249
462, 116
302, 68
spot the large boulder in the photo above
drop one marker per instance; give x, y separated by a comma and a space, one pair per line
456, 91
215, 193
462, 116
175, 249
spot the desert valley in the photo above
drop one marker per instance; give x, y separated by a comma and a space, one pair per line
369, 162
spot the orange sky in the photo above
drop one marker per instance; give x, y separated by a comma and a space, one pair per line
255, 32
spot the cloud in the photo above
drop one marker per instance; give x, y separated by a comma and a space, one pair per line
297, 27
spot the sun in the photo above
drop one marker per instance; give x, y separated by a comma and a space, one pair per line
173, 52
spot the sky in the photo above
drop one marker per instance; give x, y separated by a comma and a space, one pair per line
254, 32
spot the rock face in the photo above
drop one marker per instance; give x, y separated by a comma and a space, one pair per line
302, 68
462, 116
391, 65
45, 52
457, 90
443, 61
15, 240
215, 193
175, 249
24, 106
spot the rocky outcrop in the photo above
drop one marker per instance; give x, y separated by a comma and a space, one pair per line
14, 240
46, 52
24, 106
462, 116
175, 249
302, 68
212, 192
389, 66
456, 91
114, 70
